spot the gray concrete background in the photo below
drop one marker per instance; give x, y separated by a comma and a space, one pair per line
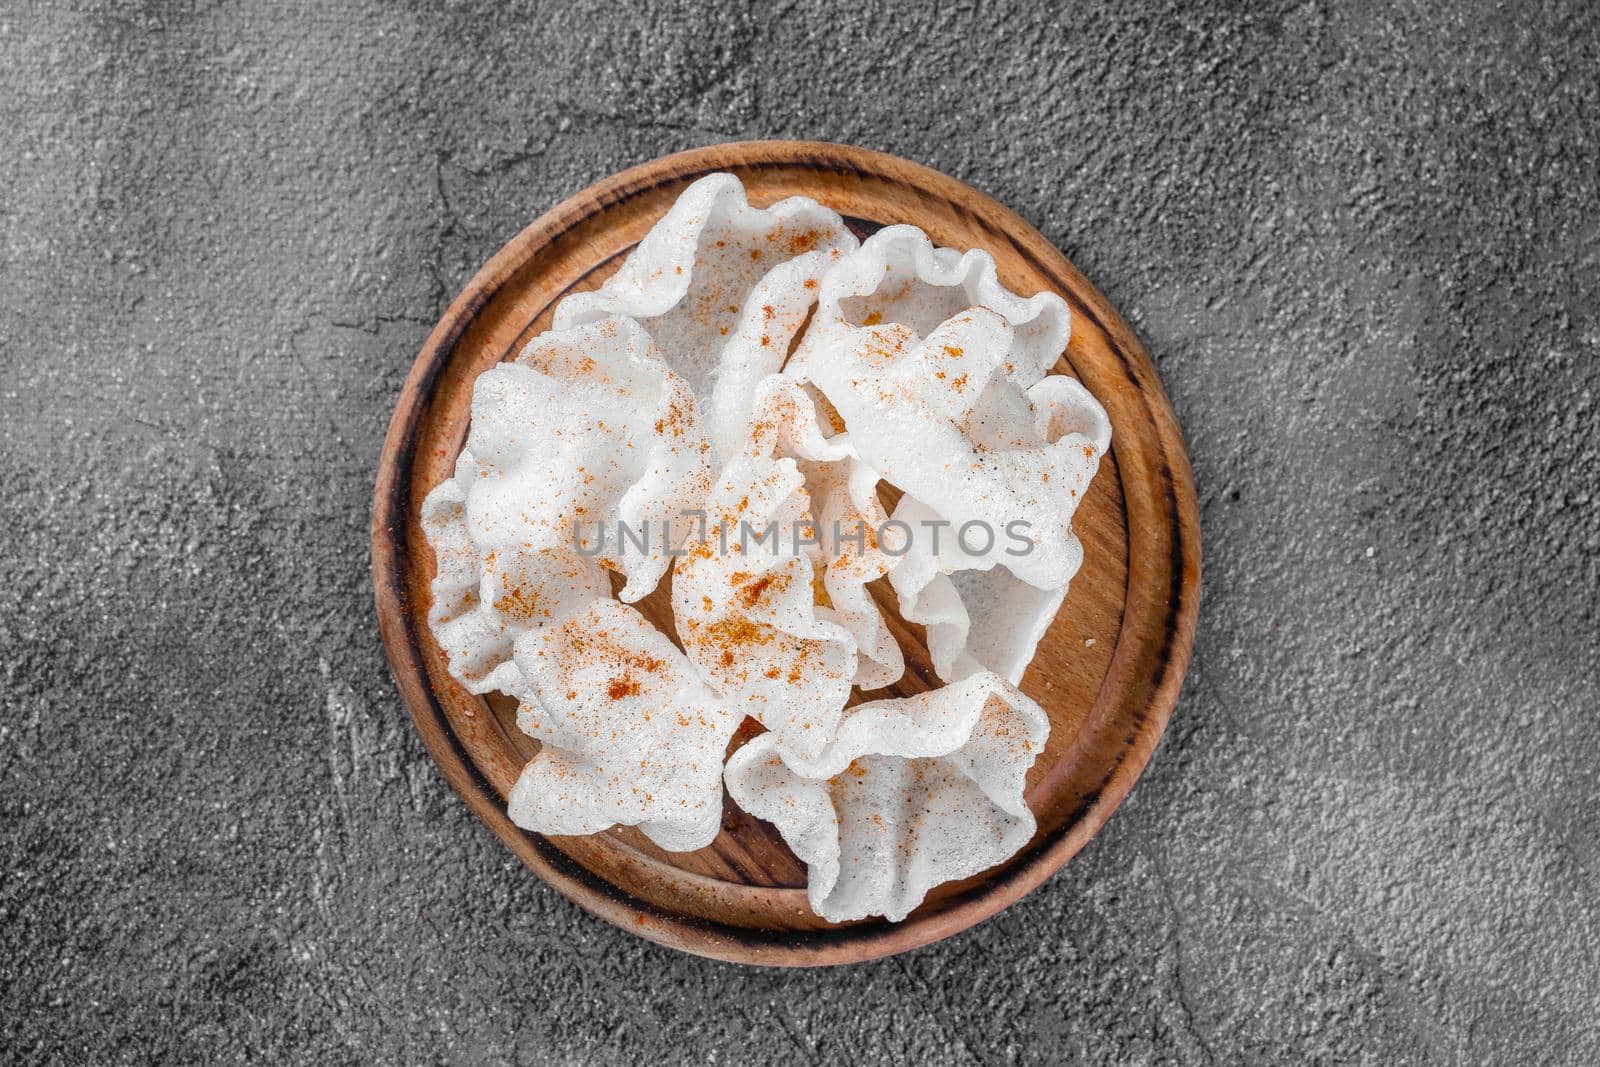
1362, 244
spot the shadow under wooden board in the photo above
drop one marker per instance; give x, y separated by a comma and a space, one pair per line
1107, 672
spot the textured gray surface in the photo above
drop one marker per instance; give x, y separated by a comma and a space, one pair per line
1363, 247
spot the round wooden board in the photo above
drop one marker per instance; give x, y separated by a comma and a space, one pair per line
1108, 671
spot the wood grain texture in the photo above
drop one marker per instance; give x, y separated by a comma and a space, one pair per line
1108, 672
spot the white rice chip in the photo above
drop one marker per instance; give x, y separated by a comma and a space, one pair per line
968, 464
476, 639
978, 615
722, 288
643, 454
746, 611
987, 451
976, 609
586, 428
899, 277
632, 736
846, 514
912, 793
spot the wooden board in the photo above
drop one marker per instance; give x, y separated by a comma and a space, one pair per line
1108, 671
